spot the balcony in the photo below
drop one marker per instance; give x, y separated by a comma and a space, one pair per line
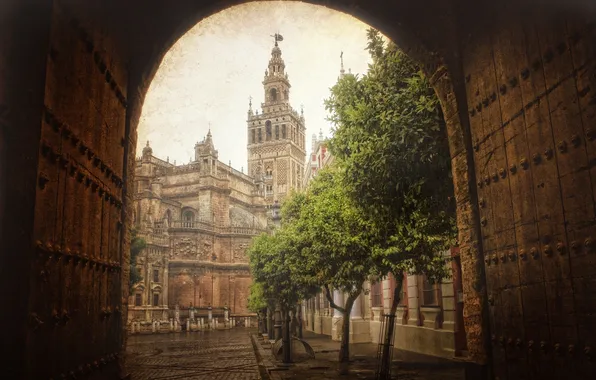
204, 226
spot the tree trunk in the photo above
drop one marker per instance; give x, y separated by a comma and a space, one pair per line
385, 368
300, 321
286, 337
344, 349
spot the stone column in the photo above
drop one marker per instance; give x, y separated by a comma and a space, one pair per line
338, 298
360, 328
336, 321
356, 312
165, 281
413, 316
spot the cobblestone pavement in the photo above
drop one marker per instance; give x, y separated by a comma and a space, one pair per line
213, 355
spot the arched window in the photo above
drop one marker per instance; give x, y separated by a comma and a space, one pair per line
277, 132
168, 217
283, 131
273, 95
268, 130
188, 218
253, 136
269, 172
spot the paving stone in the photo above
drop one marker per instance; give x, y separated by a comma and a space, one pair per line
213, 355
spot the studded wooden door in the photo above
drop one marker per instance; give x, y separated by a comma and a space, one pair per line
531, 92
75, 301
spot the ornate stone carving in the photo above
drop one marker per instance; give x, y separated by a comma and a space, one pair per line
185, 247
239, 252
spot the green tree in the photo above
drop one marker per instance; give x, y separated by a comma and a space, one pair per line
334, 244
390, 139
137, 244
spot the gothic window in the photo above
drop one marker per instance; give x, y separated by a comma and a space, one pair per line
155, 299
273, 95
268, 129
277, 132
155, 275
283, 131
253, 136
138, 299
260, 136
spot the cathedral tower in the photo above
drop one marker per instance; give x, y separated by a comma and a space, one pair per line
276, 136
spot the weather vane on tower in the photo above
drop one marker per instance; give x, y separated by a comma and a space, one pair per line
277, 37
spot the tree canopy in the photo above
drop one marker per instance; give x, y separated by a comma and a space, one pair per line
389, 137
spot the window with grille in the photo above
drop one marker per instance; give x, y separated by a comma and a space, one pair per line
155, 275
138, 299
376, 294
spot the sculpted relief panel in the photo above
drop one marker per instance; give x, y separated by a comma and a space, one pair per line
200, 248
185, 248
239, 252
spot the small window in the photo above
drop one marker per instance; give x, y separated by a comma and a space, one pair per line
269, 172
138, 299
376, 293
155, 275
253, 136
430, 292
156, 299
277, 132
260, 135
283, 131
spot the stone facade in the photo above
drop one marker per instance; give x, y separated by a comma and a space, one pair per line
197, 221
276, 136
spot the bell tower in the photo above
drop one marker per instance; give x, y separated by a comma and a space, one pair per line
276, 136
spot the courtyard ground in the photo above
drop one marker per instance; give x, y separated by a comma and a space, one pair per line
240, 354
212, 355
406, 365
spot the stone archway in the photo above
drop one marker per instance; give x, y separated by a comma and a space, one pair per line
516, 89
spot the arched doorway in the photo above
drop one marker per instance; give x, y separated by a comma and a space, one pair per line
516, 94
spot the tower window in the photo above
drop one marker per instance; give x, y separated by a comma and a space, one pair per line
260, 135
155, 275
277, 132
273, 95
268, 130
155, 299
253, 136
283, 131
138, 299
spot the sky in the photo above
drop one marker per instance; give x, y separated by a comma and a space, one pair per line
205, 79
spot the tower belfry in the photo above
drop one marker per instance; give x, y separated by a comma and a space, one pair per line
276, 136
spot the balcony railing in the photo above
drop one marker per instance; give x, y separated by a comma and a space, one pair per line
196, 225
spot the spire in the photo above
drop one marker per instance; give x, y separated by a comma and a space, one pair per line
342, 71
250, 113
147, 150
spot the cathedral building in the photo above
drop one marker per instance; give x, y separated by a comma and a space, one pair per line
198, 219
